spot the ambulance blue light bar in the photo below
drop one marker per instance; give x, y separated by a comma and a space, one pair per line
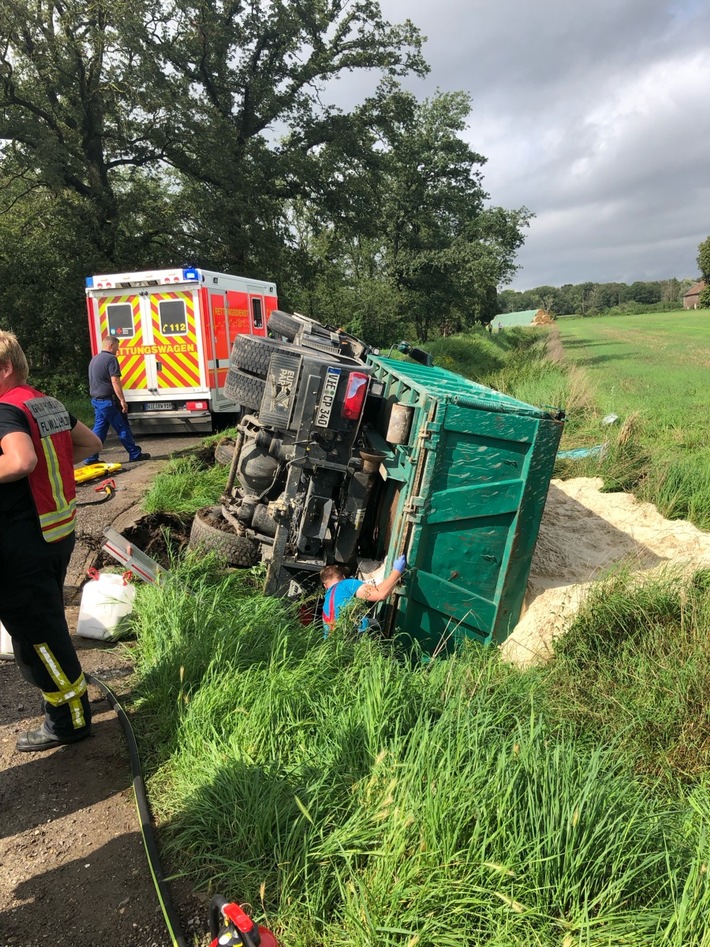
188, 274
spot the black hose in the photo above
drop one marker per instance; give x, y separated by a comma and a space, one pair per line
103, 499
151, 848
109, 489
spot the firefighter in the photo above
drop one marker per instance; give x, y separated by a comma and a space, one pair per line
39, 444
340, 591
109, 402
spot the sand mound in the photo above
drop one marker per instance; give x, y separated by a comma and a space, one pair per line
583, 533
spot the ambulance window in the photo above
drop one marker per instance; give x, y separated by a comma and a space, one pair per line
256, 318
120, 320
172, 317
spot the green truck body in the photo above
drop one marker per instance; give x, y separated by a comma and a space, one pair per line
463, 495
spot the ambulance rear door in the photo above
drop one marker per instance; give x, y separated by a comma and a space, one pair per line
163, 369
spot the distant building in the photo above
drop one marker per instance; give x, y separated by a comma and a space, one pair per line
691, 299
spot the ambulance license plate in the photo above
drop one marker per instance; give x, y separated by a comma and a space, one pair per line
327, 398
157, 406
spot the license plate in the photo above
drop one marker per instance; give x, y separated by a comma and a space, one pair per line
157, 406
327, 398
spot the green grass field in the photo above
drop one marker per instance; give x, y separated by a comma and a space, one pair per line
657, 365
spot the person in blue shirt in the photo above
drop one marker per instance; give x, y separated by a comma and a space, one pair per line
340, 591
109, 401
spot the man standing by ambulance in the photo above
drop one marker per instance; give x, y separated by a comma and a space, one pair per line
39, 444
109, 402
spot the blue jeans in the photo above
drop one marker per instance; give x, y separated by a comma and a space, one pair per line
106, 415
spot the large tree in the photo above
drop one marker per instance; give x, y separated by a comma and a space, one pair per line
157, 129
412, 226
444, 248
242, 103
70, 123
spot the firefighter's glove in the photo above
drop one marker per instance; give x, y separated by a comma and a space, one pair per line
400, 564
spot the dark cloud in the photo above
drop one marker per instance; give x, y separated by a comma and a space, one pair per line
594, 116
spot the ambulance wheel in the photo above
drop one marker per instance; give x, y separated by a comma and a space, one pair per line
207, 535
252, 354
281, 323
246, 390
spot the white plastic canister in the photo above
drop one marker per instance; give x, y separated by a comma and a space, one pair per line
6, 649
105, 600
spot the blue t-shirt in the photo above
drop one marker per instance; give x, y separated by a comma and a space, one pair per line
337, 597
102, 368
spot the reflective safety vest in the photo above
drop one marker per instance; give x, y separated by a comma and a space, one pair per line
52, 481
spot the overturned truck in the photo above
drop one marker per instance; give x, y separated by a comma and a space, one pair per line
343, 455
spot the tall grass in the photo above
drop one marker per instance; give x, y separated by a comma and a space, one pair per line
185, 485
357, 798
635, 666
515, 362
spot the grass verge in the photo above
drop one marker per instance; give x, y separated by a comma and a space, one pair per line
357, 798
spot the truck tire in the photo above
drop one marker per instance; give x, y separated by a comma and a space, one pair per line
224, 452
246, 390
251, 354
236, 550
282, 323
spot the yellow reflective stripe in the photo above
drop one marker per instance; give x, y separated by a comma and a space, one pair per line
70, 694
59, 532
57, 523
52, 665
55, 516
65, 527
76, 709
66, 690
57, 698
54, 473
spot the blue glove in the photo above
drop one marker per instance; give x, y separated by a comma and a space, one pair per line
400, 564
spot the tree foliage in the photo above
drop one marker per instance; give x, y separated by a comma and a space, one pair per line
593, 298
704, 265
137, 134
433, 253
69, 120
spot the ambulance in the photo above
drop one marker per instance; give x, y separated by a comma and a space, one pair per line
176, 327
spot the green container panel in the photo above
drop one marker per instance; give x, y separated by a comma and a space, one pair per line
470, 488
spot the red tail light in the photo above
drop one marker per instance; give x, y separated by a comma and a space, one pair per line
355, 395
196, 405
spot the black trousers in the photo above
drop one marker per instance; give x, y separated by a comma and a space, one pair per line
32, 574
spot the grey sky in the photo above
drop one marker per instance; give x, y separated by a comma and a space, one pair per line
595, 116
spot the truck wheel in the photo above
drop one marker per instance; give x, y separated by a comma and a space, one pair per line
281, 323
205, 534
251, 354
224, 452
245, 390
